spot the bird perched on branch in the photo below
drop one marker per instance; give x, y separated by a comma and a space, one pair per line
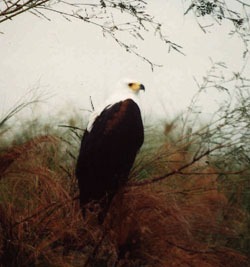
109, 146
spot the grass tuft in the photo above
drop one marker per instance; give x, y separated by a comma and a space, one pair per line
180, 221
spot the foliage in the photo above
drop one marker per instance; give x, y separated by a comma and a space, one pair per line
114, 18
41, 221
236, 12
186, 202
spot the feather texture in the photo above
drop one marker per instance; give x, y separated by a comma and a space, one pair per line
108, 151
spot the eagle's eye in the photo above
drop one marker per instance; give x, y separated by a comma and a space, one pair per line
130, 84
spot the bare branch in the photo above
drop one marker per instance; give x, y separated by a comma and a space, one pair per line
106, 15
219, 11
179, 170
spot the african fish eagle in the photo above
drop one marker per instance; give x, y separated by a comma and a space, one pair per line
109, 145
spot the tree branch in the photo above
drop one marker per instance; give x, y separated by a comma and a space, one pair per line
195, 159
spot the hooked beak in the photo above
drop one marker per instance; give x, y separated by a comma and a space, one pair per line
142, 87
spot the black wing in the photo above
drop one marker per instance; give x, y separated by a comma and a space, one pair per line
108, 151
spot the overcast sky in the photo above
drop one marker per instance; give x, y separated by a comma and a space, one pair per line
72, 61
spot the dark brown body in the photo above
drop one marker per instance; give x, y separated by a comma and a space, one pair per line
108, 151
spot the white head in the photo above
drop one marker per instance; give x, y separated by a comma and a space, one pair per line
132, 85
127, 88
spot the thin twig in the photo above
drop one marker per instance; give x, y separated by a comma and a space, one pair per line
185, 166
38, 213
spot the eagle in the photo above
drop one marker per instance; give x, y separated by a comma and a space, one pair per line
109, 146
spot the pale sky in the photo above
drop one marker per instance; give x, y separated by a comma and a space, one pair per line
72, 61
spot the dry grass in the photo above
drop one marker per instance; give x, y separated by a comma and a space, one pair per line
181, 221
